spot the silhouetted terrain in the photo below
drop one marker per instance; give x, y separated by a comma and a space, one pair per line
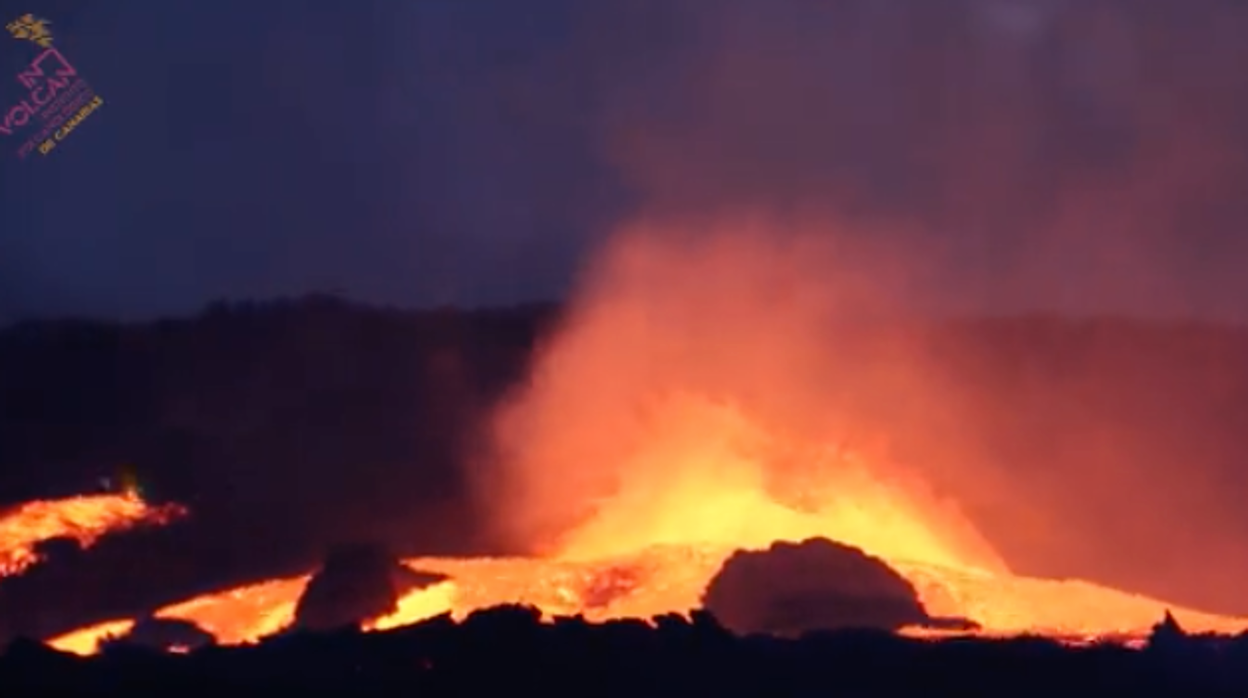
354, 423
506, 649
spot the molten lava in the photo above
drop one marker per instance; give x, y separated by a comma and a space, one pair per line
662, 580
655, 550
684, 411
85, 519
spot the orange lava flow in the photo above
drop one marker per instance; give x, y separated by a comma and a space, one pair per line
681, 412
86, 519
672, 579
654, 551
701, 484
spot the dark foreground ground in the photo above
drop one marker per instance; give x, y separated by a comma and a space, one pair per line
507, 650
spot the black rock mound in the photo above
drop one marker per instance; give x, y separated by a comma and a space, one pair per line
357, 582
161, 634
818, 584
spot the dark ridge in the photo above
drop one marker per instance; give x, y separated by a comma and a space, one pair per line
506, 649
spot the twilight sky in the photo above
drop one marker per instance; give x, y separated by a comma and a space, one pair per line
1069, 154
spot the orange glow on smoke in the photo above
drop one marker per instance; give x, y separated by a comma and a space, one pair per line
703, 479
684, 403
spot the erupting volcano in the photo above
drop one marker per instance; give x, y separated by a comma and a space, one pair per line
692, 404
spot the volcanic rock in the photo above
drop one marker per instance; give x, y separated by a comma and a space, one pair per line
1167, 633
356, 583
793, 588
163, 634
60, 548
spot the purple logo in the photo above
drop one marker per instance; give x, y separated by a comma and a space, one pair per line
56, 99
41, 87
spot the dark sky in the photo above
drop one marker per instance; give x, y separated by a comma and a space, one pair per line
1075, 154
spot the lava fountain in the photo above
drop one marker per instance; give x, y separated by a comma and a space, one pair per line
693, 403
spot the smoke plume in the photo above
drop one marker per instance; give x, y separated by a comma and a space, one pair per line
1083, 156
810, 169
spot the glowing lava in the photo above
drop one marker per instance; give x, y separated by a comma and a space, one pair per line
672, 579
85, 519
708, 476
684, 410
654, 551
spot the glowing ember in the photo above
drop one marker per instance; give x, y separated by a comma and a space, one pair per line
85, 519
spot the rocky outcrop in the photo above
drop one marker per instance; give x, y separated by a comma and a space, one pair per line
357, 582
818, 584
